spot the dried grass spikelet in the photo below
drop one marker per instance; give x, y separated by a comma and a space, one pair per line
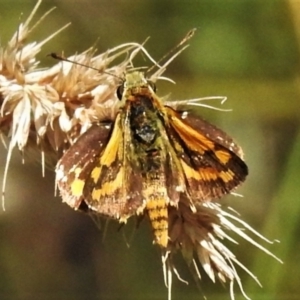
47, 109
199, 234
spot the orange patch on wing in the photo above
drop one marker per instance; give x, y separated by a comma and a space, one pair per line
194, 140
223, 156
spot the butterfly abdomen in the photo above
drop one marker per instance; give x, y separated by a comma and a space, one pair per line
158, 215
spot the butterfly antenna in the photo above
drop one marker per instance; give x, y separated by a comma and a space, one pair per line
61, 58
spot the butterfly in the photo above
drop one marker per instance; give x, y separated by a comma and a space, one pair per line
147, 160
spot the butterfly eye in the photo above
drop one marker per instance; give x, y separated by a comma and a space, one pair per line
152, 85
120, 91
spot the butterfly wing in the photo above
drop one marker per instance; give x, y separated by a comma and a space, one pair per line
114, 187
210, 160
77, 162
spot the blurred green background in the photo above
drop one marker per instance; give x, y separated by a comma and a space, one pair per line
246, 50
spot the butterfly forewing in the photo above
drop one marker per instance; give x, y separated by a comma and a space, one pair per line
211, 169
113, 188
78, 161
